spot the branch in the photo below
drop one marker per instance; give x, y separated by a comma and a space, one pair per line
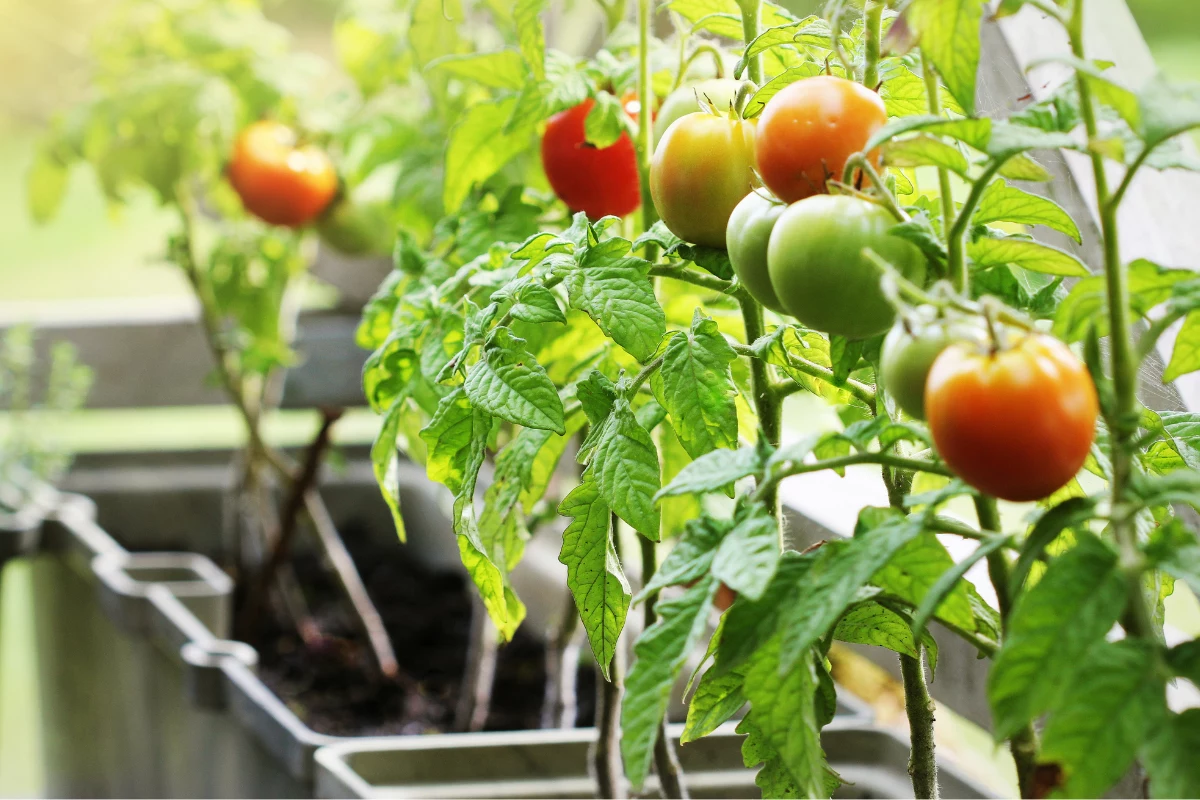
922, 763
694, 277
645, 374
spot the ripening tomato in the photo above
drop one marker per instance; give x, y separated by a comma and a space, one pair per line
1017, 423
278, 181
810, 129
910, 349
818, 270
747, 238
599, 181
700, 171
719, 92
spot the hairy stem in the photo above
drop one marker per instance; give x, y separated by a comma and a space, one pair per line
1122, 418
666, 763
606, 755
873, 27
1024, 744
767, 403
922, 763
956, 239
934, 99
750, 11
645, 145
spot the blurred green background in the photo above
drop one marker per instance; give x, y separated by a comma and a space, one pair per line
89, 258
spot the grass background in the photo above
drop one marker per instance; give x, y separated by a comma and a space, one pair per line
89, 254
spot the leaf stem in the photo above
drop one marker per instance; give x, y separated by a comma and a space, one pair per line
692, 276
858, 161
767, 403
919, 706
1122, 418
644, 374
956, 239
934, 99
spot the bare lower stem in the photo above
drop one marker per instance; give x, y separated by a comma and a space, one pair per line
562, 655
606, 755
476, 697
922, 763
666, 763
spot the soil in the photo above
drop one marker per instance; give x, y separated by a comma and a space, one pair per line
334, 686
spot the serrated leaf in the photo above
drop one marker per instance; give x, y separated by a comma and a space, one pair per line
1169, 756
915, 570
1004, 203
509, 383
660, 653
594, 573
1149, 285
625, 467
717, 698
874, 624
1106, 713
531, 37
747, 557
1185, 357
691, 558
695, 385
1052, 627
784, 719
617, 294
480, 144
948, 32
385, 462
503, 69
1027, 254
840, 569
713, 472
448, 436
925, 151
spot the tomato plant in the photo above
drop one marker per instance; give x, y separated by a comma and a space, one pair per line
514, 332
702, 168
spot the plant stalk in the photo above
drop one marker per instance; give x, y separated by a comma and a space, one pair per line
750, 12
767, 403
606, 755
666, 762
645, 143
1024, 743
873, 29
956, 239
934, 99
922, 764
1122, 418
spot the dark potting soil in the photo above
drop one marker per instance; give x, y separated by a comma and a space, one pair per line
335, 686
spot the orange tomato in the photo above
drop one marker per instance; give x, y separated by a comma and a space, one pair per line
810, 129
1017, 423
279, 182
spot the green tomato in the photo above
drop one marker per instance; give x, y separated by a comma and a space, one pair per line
911, 347
681, 102
746, 239
358, 226
816, 262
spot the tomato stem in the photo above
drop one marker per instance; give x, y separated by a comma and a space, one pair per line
1121, 418
956, 239
645, 137
919, 706
750, 9
872, 32
767, 403
934, 100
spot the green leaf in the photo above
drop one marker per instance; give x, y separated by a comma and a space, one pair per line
1023, 168
389, 371
1027, 254
748, 555
692, 556
695, 385
915, 570
784, 716
875, 624
1149, 285
839, 570
605, 123
844, 354
531, 36
532, 302
594, 573
1051, 629
713, 472
759, 99
1185, 357
950, 582
1169, 756
504, 69
478, 147
1167, 110
1071, 513
625, 468
1175, 549
616, 292
509, 383
1107, 712
925, 151
1004, 203
717, 698
45, 187
661, 651
448, 436
385, 462
948, 32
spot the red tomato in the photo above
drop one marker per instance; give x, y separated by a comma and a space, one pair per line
1016, 424
810, 129
279, 182
597, 181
